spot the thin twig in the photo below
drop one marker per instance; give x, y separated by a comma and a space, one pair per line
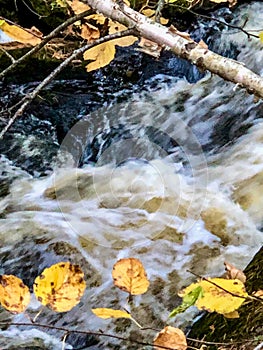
29, 97
8, 54
219, 21
45, 40
31, 10
65, 330
216, 285
158, 11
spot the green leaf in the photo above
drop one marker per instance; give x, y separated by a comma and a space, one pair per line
188, 300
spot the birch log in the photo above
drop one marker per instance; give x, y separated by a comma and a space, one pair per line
182, 45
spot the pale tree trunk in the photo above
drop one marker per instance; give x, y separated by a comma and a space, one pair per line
182, 45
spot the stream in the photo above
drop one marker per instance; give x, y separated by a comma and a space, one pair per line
171, 174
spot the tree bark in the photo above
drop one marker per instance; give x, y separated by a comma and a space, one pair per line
182, 45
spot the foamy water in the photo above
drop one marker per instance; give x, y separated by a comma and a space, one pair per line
190, 208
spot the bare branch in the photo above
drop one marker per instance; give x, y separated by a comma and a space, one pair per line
29, 97
50, 36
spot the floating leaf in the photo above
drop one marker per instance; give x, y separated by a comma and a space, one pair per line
60, 286
261, 36
14, 295
217, 299
129, 275
18, 34
233, 273
110, 313
101, 55
170, 337
188, 300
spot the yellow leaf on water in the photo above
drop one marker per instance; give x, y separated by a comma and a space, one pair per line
110, 313
261, 36
18, 34
14, 295
170, 337
60, 286
215, 298
101, 55
129, 275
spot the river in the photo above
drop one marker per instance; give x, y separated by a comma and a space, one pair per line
172, 176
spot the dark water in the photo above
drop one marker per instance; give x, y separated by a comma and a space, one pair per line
158, 169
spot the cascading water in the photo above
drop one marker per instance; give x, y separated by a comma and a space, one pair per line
169, 176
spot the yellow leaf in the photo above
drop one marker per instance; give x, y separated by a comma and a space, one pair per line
19, 34
101, 54
110, 313
233, 314
125, 41
151, 14
219, 1
261, 36
258, 294
60, 286
14, 295
170, 337
129, 275
148, 12
97, 17
216, 299
164, 20
89, 32
115, 27
78, 6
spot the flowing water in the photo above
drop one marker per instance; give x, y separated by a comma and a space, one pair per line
173, 177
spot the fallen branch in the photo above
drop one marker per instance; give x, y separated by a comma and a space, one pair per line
182, 45
24, 102
50, 36
101, 334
